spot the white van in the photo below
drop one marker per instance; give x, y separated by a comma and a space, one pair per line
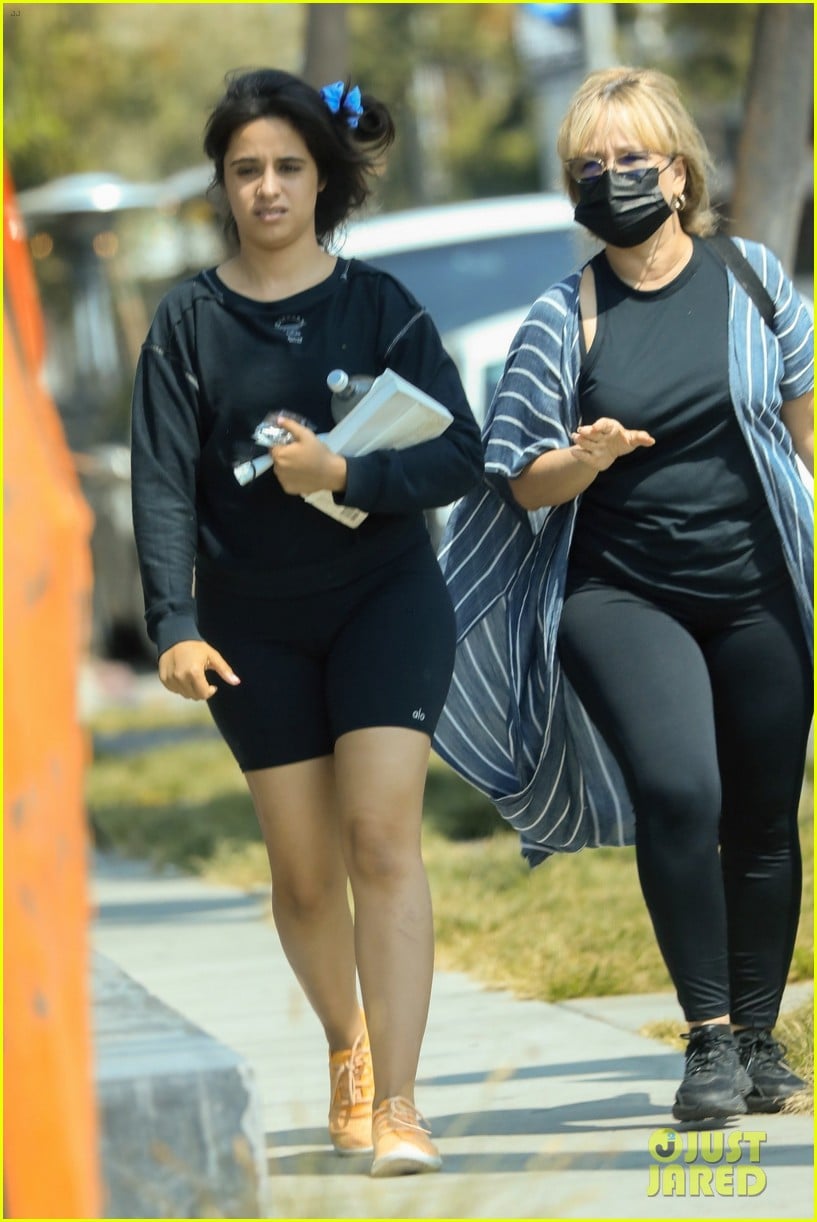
476, 267
479, 350
469, 260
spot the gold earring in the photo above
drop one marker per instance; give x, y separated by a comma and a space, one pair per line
680, 202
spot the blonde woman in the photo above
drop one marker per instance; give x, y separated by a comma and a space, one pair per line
634, 656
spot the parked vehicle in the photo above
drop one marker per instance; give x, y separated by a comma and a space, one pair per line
105, 250
476, 266
479, 350
470, 260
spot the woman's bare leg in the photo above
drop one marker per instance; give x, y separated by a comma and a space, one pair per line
297, 811
380, 776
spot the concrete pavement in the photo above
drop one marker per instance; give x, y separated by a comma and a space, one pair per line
540, 1110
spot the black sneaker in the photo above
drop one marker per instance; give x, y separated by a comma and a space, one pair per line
773, 1081
715, 1083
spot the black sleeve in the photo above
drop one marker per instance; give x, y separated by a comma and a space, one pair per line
164, 457
435, 472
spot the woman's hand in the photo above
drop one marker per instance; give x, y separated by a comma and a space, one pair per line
182, 670
598, 445
306, 465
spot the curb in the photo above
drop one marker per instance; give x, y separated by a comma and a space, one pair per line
181, 1131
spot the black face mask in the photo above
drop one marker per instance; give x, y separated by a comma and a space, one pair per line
620, 210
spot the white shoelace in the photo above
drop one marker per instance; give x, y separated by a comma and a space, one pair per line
404, 1114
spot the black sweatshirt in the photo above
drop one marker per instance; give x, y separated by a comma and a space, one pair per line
213, 365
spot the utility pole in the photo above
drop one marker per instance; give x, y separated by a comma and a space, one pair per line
598, 28
559, 44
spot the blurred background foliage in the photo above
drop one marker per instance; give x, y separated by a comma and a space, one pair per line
477, 90
127, 87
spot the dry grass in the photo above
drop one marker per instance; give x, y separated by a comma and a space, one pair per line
574, 927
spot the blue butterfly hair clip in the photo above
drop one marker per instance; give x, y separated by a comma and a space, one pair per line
350, 104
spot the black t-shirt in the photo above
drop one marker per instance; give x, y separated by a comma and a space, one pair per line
686, 516
213, 365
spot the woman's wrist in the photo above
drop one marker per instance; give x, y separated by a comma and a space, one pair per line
555, 477
336, 472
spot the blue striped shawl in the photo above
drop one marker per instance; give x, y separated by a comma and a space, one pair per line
512, 725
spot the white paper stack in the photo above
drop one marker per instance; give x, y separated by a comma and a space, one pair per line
392, 415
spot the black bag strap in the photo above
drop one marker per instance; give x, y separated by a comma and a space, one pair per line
725, 250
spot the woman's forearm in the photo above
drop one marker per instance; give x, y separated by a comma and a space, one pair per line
552, 479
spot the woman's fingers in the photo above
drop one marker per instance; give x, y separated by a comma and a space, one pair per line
599, 444
183, 670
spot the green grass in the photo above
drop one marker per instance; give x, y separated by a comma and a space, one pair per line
179, 805
574, 927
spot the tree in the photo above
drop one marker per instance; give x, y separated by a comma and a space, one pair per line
327, 44
774, 162
126, 88
453, 81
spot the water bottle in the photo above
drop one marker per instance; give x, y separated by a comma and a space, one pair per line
347, 391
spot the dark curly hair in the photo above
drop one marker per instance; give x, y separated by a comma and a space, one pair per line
346, 156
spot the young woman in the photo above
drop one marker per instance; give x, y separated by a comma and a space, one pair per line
638, 649
325, 652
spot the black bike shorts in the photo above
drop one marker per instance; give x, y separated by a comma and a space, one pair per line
378, 651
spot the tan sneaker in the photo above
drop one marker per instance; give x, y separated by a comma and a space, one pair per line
351, 1083
402, 1140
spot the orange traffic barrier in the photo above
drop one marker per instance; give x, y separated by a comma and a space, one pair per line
50, 1128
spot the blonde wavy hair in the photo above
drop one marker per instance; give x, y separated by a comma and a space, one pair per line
648, 104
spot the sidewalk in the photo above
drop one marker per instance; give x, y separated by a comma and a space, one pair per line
540, 1111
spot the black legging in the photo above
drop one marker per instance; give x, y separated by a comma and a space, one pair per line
708, 717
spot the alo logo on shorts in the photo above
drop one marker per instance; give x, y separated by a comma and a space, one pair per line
418, 715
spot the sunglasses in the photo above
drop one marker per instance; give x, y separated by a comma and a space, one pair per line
633, 165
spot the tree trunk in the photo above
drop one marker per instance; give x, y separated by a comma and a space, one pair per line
326, 57
774, 164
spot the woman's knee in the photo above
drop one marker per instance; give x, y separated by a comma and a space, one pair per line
379, 853
680, 801
306, 895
